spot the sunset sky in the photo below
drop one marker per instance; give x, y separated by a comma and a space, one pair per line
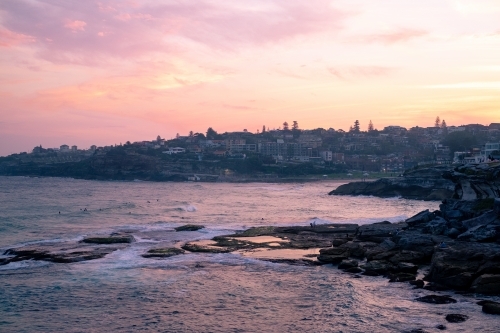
104, 72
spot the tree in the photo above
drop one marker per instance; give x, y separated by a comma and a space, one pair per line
437, 122
295, 125
285, 126
263, 128
355, 128
443, 124
211, 133
191, 134
370, 126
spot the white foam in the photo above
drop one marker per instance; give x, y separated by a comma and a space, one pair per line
23, 264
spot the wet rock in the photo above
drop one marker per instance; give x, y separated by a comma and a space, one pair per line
436, 299
441, 327
408, 257
163, 252
490, 217
377, 267
417, 330
348, 263
491, 307
418, 242
193, 247
358, 249
339, 241
189, 227
405, 267
457, 265
114, 238
452, 233
480, 233
417, 283
456, 318
333, 255
436, 227
487, 284
61, 252
420, 218
378, 232
401, 277
354, 270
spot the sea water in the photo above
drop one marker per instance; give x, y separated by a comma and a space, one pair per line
199, 292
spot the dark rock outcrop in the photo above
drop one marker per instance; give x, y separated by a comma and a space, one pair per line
456, 318
60, 252
436, 299
111, 239
163, 252
468, 182
189, 227
491, 307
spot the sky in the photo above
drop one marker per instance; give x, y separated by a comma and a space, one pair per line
106, 72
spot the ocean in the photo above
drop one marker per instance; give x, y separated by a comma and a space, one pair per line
199, 292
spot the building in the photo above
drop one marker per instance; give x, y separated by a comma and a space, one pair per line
326, 155
64, 149
74, 149
174, 150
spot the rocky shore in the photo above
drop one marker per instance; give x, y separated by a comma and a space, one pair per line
454, 248
465, 182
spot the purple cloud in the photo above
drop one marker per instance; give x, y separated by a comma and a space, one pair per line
89, 31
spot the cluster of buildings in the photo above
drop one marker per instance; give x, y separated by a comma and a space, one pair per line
392, 149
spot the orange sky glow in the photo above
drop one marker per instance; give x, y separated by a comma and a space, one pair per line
104, 72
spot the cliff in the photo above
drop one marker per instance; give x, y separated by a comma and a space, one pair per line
467, 182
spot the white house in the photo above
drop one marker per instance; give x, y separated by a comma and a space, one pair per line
174, 150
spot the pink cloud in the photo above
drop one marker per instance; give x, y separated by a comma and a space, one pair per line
9, 38
75, 26
344, 73
392, 37
166, 27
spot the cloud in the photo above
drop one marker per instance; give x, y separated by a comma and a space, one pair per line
122, 29
75, 26
344, 73
9, 38
488, 85
397, 36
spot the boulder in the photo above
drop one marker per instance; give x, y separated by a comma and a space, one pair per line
348, 263
405, 267
491, 307
378, 232
358, 249
490, 217
402, 277
377, 267
163, 252
408, 257
333, 255
422, 217
111, 239
354, 270
487, 284
480, 233
435, 227
457, 265
456, 318
436, 299
61, 252
417, 283
189, 227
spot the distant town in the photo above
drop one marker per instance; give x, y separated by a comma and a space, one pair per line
269, 151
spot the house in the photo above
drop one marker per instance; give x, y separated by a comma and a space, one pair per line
174, 150
64, 149
326, 155
74, 149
